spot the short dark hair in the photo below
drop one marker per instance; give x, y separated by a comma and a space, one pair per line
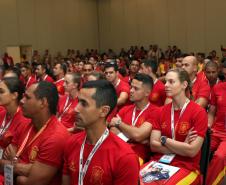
49, 91
98, 75
43, 66
76, 78
63, 66
105, 93
14, 85
152, 63
111, 64
145, 79
26, 66
211, 64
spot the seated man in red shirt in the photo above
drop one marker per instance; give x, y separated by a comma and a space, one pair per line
59, 72
28, 78
87, 70
67, 103
200, 86
134, 122
41, 73
39, 154
157, 95
133, 70
122, 88
97, 156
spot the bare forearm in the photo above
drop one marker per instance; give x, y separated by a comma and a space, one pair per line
182, 148
121, 101
21, 180
210, 120
203, 102
156, 146
22, 169
134, 133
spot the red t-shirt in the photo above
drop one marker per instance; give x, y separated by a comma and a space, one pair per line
114, 163
126, 79
193, 116
16, 125
60, 86
218, 99
200, 88
48, 79
47, 148
158, 94
67, 113
31, 80
151, 115
121, 87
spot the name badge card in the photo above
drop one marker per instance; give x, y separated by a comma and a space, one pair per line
8, 174
1, 153
123, 137
167, 158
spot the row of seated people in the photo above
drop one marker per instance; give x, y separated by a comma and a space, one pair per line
34, 135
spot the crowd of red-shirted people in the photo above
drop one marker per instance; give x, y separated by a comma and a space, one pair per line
99, 118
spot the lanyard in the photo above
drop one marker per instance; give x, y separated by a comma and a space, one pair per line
83, 170
172, 118
23, 145
65, 109
134, 119
29, 79
45, 77
59, 80
193, 81
5, 125
117, 83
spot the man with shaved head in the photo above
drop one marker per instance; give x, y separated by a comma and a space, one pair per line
200, 87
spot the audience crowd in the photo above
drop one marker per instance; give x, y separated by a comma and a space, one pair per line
99, 118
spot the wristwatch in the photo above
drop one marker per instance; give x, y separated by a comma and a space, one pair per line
163, 140
118, 122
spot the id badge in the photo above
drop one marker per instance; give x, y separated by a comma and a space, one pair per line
123, 137
8, 174
1, 153
167, 158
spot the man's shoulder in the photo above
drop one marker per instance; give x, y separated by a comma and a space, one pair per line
127, 108
220, 86
153, 107
75, 141
56, 131
123, 84
117, 145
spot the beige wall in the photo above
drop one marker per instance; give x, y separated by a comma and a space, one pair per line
54, 24
59, 24
192, 25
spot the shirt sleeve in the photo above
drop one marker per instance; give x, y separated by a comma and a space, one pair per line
127, 172
204, 90
200, 122
213, 97
51, 152
158, 120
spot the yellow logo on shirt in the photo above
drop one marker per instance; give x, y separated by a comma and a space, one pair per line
183, 128
33, 153
96, 176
